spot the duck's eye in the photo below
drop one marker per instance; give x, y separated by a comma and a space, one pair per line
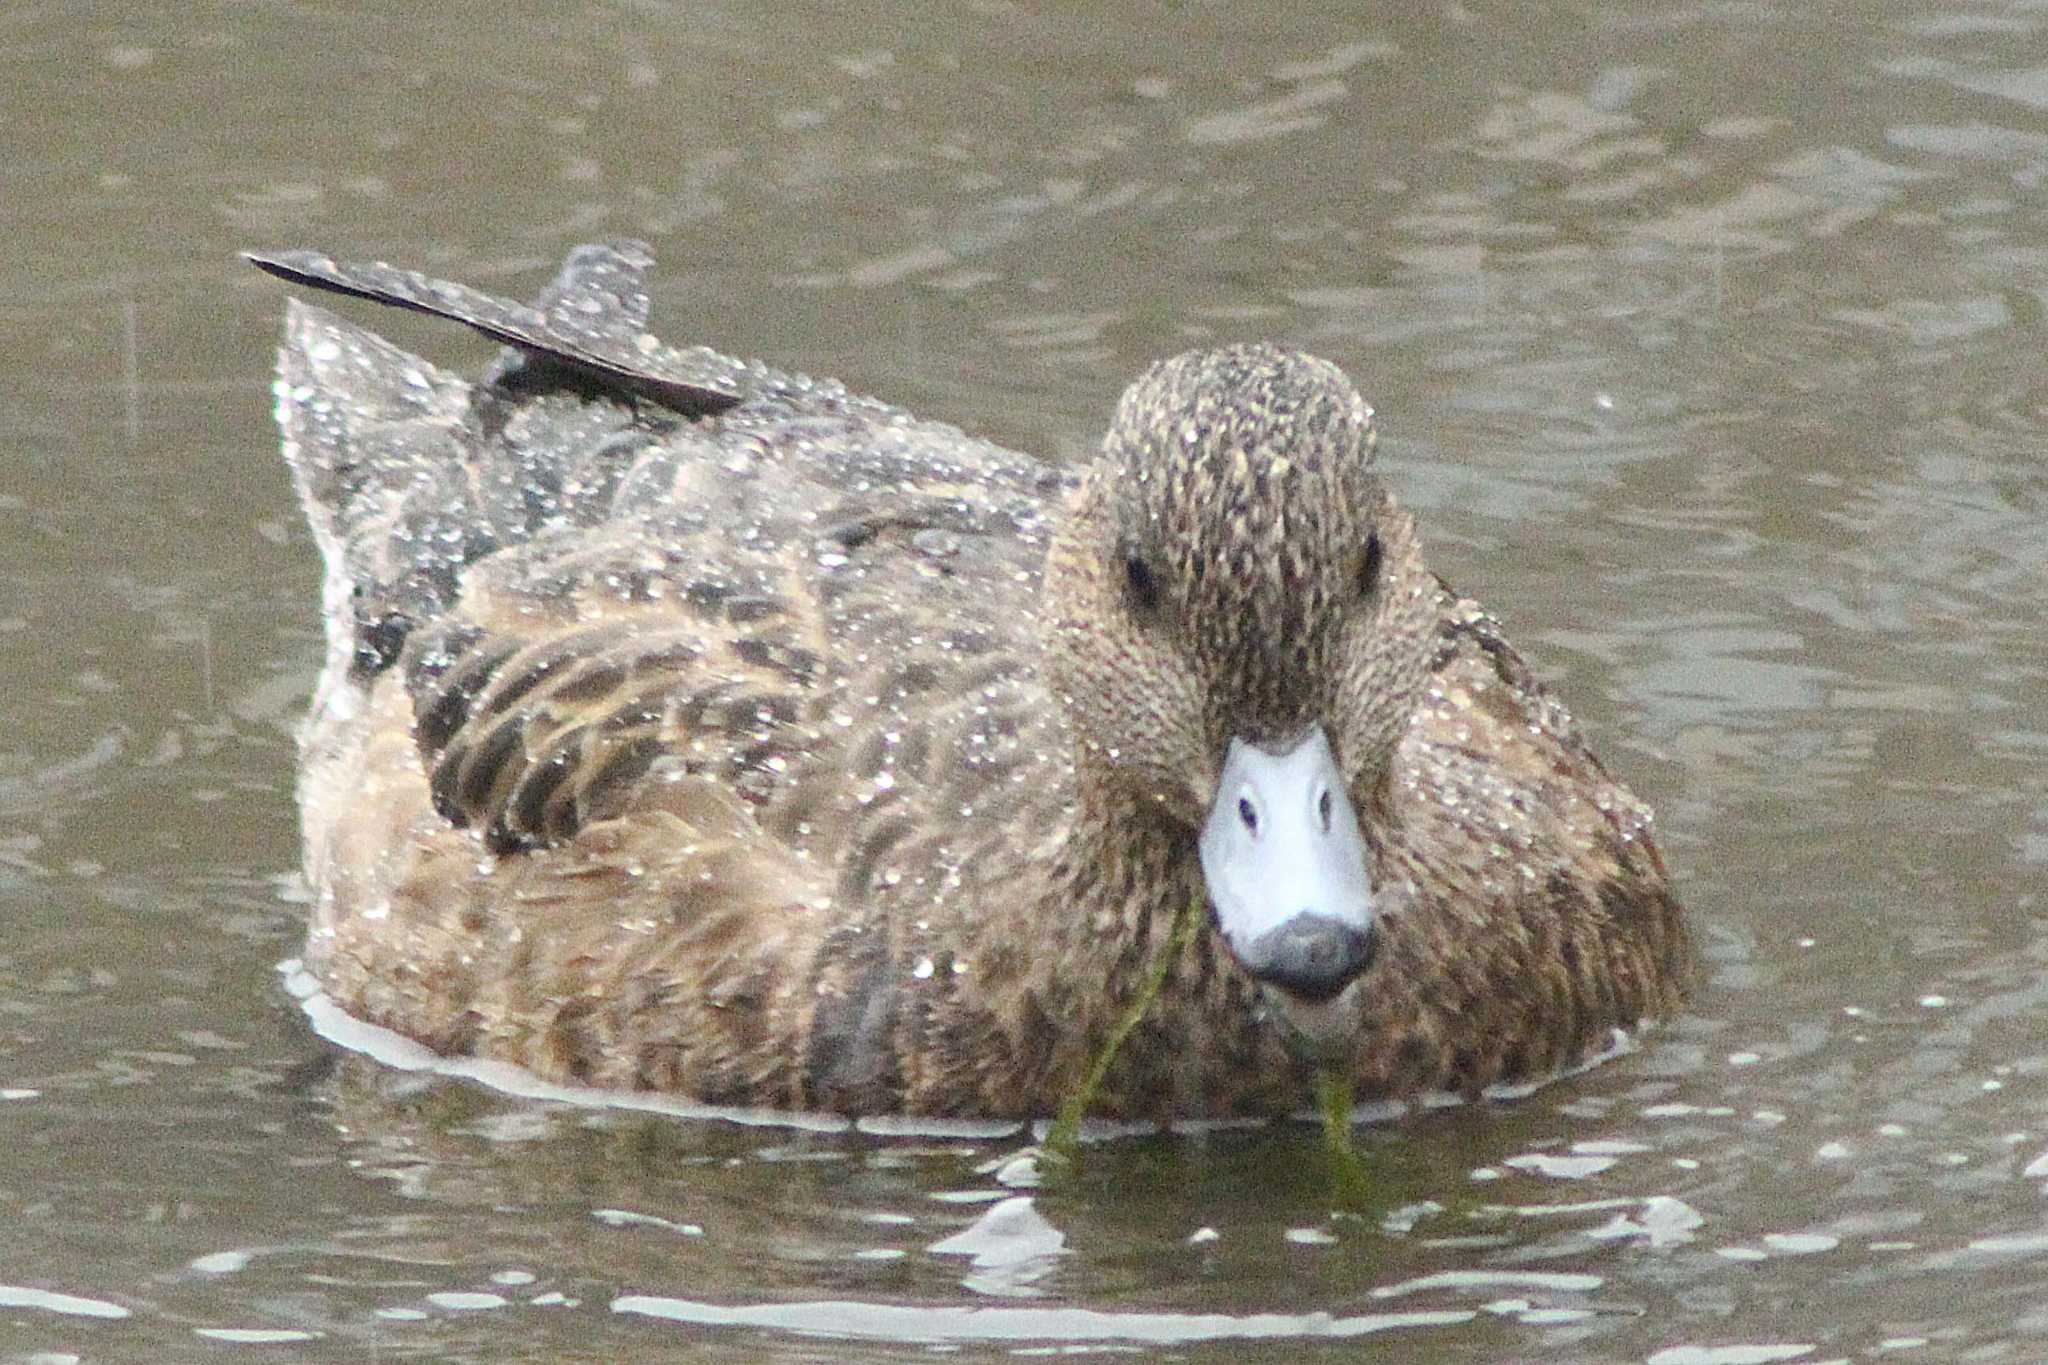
1369, 570
1139, 583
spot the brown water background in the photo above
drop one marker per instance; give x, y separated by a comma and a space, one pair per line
1708, 342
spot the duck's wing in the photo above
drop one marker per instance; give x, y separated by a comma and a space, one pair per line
411, 476
408, 474
619, 699
1543, 916
570, 587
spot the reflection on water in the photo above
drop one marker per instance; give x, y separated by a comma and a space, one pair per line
1707, 344
892, 1322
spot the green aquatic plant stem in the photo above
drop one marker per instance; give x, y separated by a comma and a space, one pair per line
1333, 1085
1333, 1100
1065, 1132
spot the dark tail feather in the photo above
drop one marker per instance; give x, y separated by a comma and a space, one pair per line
590, 320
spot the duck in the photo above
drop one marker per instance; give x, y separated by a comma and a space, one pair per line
691, 726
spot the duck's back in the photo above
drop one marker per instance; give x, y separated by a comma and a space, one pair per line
566, 615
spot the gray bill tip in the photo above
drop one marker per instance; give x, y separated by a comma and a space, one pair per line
1286, 867
1312, 956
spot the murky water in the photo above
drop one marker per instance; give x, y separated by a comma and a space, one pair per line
1708, 343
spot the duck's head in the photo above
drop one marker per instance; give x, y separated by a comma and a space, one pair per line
1244, 627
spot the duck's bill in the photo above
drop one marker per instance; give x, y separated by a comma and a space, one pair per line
1287, 871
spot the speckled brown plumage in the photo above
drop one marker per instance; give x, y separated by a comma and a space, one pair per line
771, 746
